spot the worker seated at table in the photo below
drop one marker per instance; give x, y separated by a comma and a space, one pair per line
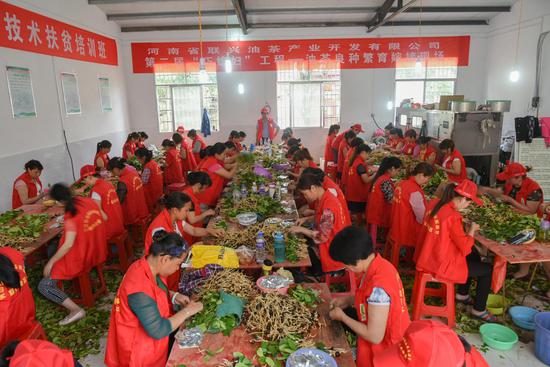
185, 152
101, 159
379, 301
343, 148
142, 138
130, 146
173, 172
430, 343
427, 153
446, 251
239, 142
410, 142
130, 191
308, 211
396, 141
302, 159
83, 246
174, 217
330, 218
17, 311
215, 166
142, 317
151, 177
347, 163
39, 353
198, 182
27, 188
358, 182
231, 153
453, 162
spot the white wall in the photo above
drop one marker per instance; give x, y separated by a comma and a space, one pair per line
42, 137
501, 51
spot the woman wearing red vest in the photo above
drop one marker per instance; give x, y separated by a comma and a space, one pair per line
239, 143
267, 129
396, 142
141, 141
104, 194
381, 195
129, 191
427, 153
101, 159
198, 182
453, 162
152, 178
173, 172
303, 160
142, 317
82, 247
186, 154
343, 150
17, 311
330, 218
379, 301
358, 182
409, 206
42, 353
197, 144
348, 162
214, 165
129, 147
410, 142
329, 153
27, 188
446, 250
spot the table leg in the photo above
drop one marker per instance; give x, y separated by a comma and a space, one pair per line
533, 276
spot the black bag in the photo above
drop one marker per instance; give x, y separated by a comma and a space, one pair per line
527, 128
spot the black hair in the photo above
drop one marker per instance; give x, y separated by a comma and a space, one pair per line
387, 164
301, 155
423, 168
287, 134
233, 134
33, 164
199, 177
293, 142
350, 134
356, 142
217, 148
131, 136
143, 135
410, 134
293, 149
242, 134
175, 200
7, 353
447, 144
167, 243
144, 153
333, 129
314, 171
62, 193
168, 143
351, 245
424, 140
177, 138
205, 152
448, 195
388, 126
358, 150
192, 133
116, 162
230, 145
103, 144
306, 181
8, 275
397, 132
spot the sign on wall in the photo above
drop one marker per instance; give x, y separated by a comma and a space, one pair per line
535, 155
29, 31
21, 93
70, 94
105, 95
351, 53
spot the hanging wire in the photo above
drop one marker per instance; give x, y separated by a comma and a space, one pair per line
519, 31
226, 21
200, 26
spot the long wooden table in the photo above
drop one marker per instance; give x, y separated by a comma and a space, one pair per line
533, 252
330, 333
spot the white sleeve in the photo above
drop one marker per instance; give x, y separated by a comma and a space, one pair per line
96, 196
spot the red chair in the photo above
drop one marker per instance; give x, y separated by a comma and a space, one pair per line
36, 332
395, 249
446, 293
125, 252
373, 230
85, 289
134, 230
175, 187
348, 279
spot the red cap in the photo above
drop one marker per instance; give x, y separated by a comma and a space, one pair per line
86, 171
512, 170
468, 189
180, 129
358, 127
40, 353
426, 343
265, 110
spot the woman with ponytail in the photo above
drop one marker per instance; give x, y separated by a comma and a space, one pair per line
358, 182
101, 159
83, 246
152, 178
447, 252
188, 162
143, 316
303, 159
129, 148
173, 172
347, 162
198, 182
214, 165
141, 141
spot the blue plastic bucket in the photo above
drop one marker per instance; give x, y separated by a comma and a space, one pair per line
542, 337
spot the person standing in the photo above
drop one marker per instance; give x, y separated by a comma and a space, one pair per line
152, 178
329, 153
173, 168
357, 128
266, 129
129, 147
197, 144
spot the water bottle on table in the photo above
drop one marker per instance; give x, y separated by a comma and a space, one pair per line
260, 248
280, 247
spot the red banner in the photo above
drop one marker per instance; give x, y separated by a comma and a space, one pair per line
25, 30
351, 53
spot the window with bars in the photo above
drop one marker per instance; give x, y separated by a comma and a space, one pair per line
308, 93
181, 98
425, 81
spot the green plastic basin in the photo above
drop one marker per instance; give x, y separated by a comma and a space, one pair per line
497, 336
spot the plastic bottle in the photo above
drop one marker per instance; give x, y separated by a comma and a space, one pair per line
244, 192
236, 195
280, 247
263, 190
277, 195
260, 248
252, 146
254, 187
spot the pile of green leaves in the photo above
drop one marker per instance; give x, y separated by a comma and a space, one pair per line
264, 206
27, 225
207, 321
78, 185
307, 296
500, 222
135, 163
269, 162
247, 177
435, 181
274, 353
293, 247
9, 215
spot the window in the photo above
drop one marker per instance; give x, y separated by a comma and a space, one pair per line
425, 81
308, 93
181, 98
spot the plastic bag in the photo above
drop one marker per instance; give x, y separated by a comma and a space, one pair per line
245, 255
206, 254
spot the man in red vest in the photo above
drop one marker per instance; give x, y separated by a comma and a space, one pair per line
267, 129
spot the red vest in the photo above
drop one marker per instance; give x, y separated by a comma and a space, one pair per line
341, 220
211, 195
341, 157
161, 221
17, 312
527, 187
447, 163
338, 139
329, 153
329, 184
197, 209
131, 147
90, 245
271, 127
189, 163
357, 190
128, 344
404, 227
154, 189
172, 171
104, 157
381, 274
203, 145
445, 246
393, 143
111, 206
239, 146
32, 190
345, 169
134, 206
408, 148
379, 210
424, 155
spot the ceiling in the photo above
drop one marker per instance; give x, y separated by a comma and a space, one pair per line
155, 15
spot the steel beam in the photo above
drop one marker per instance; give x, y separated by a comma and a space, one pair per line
104, 2
168, 14
381, 13
371, 27
177, 27
240, 9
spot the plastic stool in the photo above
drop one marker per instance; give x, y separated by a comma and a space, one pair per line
396, 251
175, 187
36, 332
373, 230
125, 252
83, 286
141, 225
348, 278
446, 293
